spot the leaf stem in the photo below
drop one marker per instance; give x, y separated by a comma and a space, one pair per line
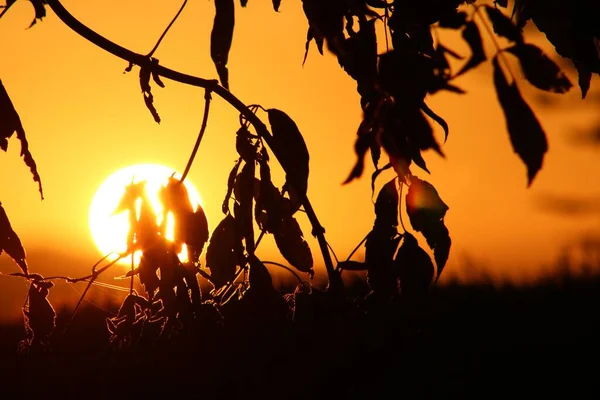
167, 29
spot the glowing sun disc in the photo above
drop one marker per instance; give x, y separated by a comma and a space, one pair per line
110, 231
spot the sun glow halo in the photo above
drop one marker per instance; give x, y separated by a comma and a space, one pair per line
109, 230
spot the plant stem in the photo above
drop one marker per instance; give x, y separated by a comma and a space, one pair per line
167, 29
207, 99
212, 85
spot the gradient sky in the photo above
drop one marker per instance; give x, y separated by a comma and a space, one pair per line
86, 119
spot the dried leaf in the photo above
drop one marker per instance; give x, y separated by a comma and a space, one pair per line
221, 38
244, 193
145, 74
503, 25
413, 267
9, 123
230, 185
225, 251
539, 70
290, 149
472, 36
244, 146
10, 242
526, 134
40, 315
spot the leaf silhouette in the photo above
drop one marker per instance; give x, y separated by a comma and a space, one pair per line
39, 313
244, 146
503, 25
293, 247
276, 5
145, 74
472, 36
221, 37
526, 134
413, 267
290, 149
9, 123
375, 174
230, 185
244, 193
10, 242
259, 276
441, 121
352, 265
386, 206
539, 70
225, 251
438, 239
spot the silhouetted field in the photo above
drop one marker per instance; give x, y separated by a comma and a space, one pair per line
462, 341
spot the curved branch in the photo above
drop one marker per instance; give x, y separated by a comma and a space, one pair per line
211, 85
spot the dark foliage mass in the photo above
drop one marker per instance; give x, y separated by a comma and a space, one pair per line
397, 127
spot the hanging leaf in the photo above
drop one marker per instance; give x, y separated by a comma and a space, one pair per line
386, 206
503, 25
221, 37
539, 70
225, 252
290, 149
276, 5
426, 212
244, 146
526, 134
259, 276
293, 247
413, 267
472, 36
9, 123
40, 317
244, 193
230, 185
376, 174
145, 74
10, 242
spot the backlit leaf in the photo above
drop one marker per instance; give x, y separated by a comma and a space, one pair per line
145, 74
230, 185
472, 36
293, 247
9, 123
526, 134
290, 149
539, 70
10, 242
225, 251
503, 25
221, 37
413, 267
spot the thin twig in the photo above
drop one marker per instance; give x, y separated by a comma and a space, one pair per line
207, 99
400, 205
358, 246
286, 268
167, 29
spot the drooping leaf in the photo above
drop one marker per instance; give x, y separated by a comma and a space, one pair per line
375, 174
358, 55
145, 74
539, 70
9, 123
386, 206
413, 267
225, 251
472, 36
221, 37
352, 265
244, 145
40, 315
259, 276
364, 141
290, 149
438, 239
503, 25
230, 185
244, 193
526, 134
10, 242
293, 247
431, 114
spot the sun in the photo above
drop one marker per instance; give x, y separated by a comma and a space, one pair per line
110, 229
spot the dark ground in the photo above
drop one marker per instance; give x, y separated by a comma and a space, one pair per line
465, 342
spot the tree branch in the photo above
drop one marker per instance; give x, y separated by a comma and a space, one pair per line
211, 85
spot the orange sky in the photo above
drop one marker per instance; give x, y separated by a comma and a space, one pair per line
85, 119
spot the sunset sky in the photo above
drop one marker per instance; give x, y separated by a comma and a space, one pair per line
85, 119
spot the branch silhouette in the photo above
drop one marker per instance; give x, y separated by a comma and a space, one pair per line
211, 85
